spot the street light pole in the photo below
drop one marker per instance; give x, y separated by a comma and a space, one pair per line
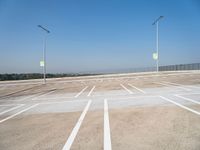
44, 52
157, 41
157, 45
44, 59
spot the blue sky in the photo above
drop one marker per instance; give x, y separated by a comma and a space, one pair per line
91, 35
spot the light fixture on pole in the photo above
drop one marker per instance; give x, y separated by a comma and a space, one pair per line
156, 55
43, 62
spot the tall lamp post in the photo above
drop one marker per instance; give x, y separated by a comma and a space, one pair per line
44, 52
157, 42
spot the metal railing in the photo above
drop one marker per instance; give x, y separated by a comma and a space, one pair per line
193, 66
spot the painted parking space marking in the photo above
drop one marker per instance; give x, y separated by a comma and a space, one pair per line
10, 109
191, 93
169, 85
75, 130
7, 118
107, 138
77, 95
89, 94
112, 97
178, 84
140, 90
29, 97
45, 94
58, 102
7, 105
53, 98
180, 105
187, 99
129, 91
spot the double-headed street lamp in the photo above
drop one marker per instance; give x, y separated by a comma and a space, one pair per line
156, 56
43, 63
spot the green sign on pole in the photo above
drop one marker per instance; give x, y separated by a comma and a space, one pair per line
155, 56
41, 63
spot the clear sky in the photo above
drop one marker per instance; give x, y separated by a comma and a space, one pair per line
96, 35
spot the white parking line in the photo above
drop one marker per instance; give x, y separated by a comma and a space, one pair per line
179, 86
182, 106
109, 95
77, 95
18, 113
129, 91
91, 91
190, 94
68, 101
75, 130
187, 99
192, 86
107, 139
32, 96
169, 85
7, 105
133, 97
53, 98
43, 95
137, 88
13, 108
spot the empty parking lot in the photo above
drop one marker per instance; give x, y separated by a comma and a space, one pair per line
143, 111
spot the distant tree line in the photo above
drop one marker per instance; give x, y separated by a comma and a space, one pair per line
25, 76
